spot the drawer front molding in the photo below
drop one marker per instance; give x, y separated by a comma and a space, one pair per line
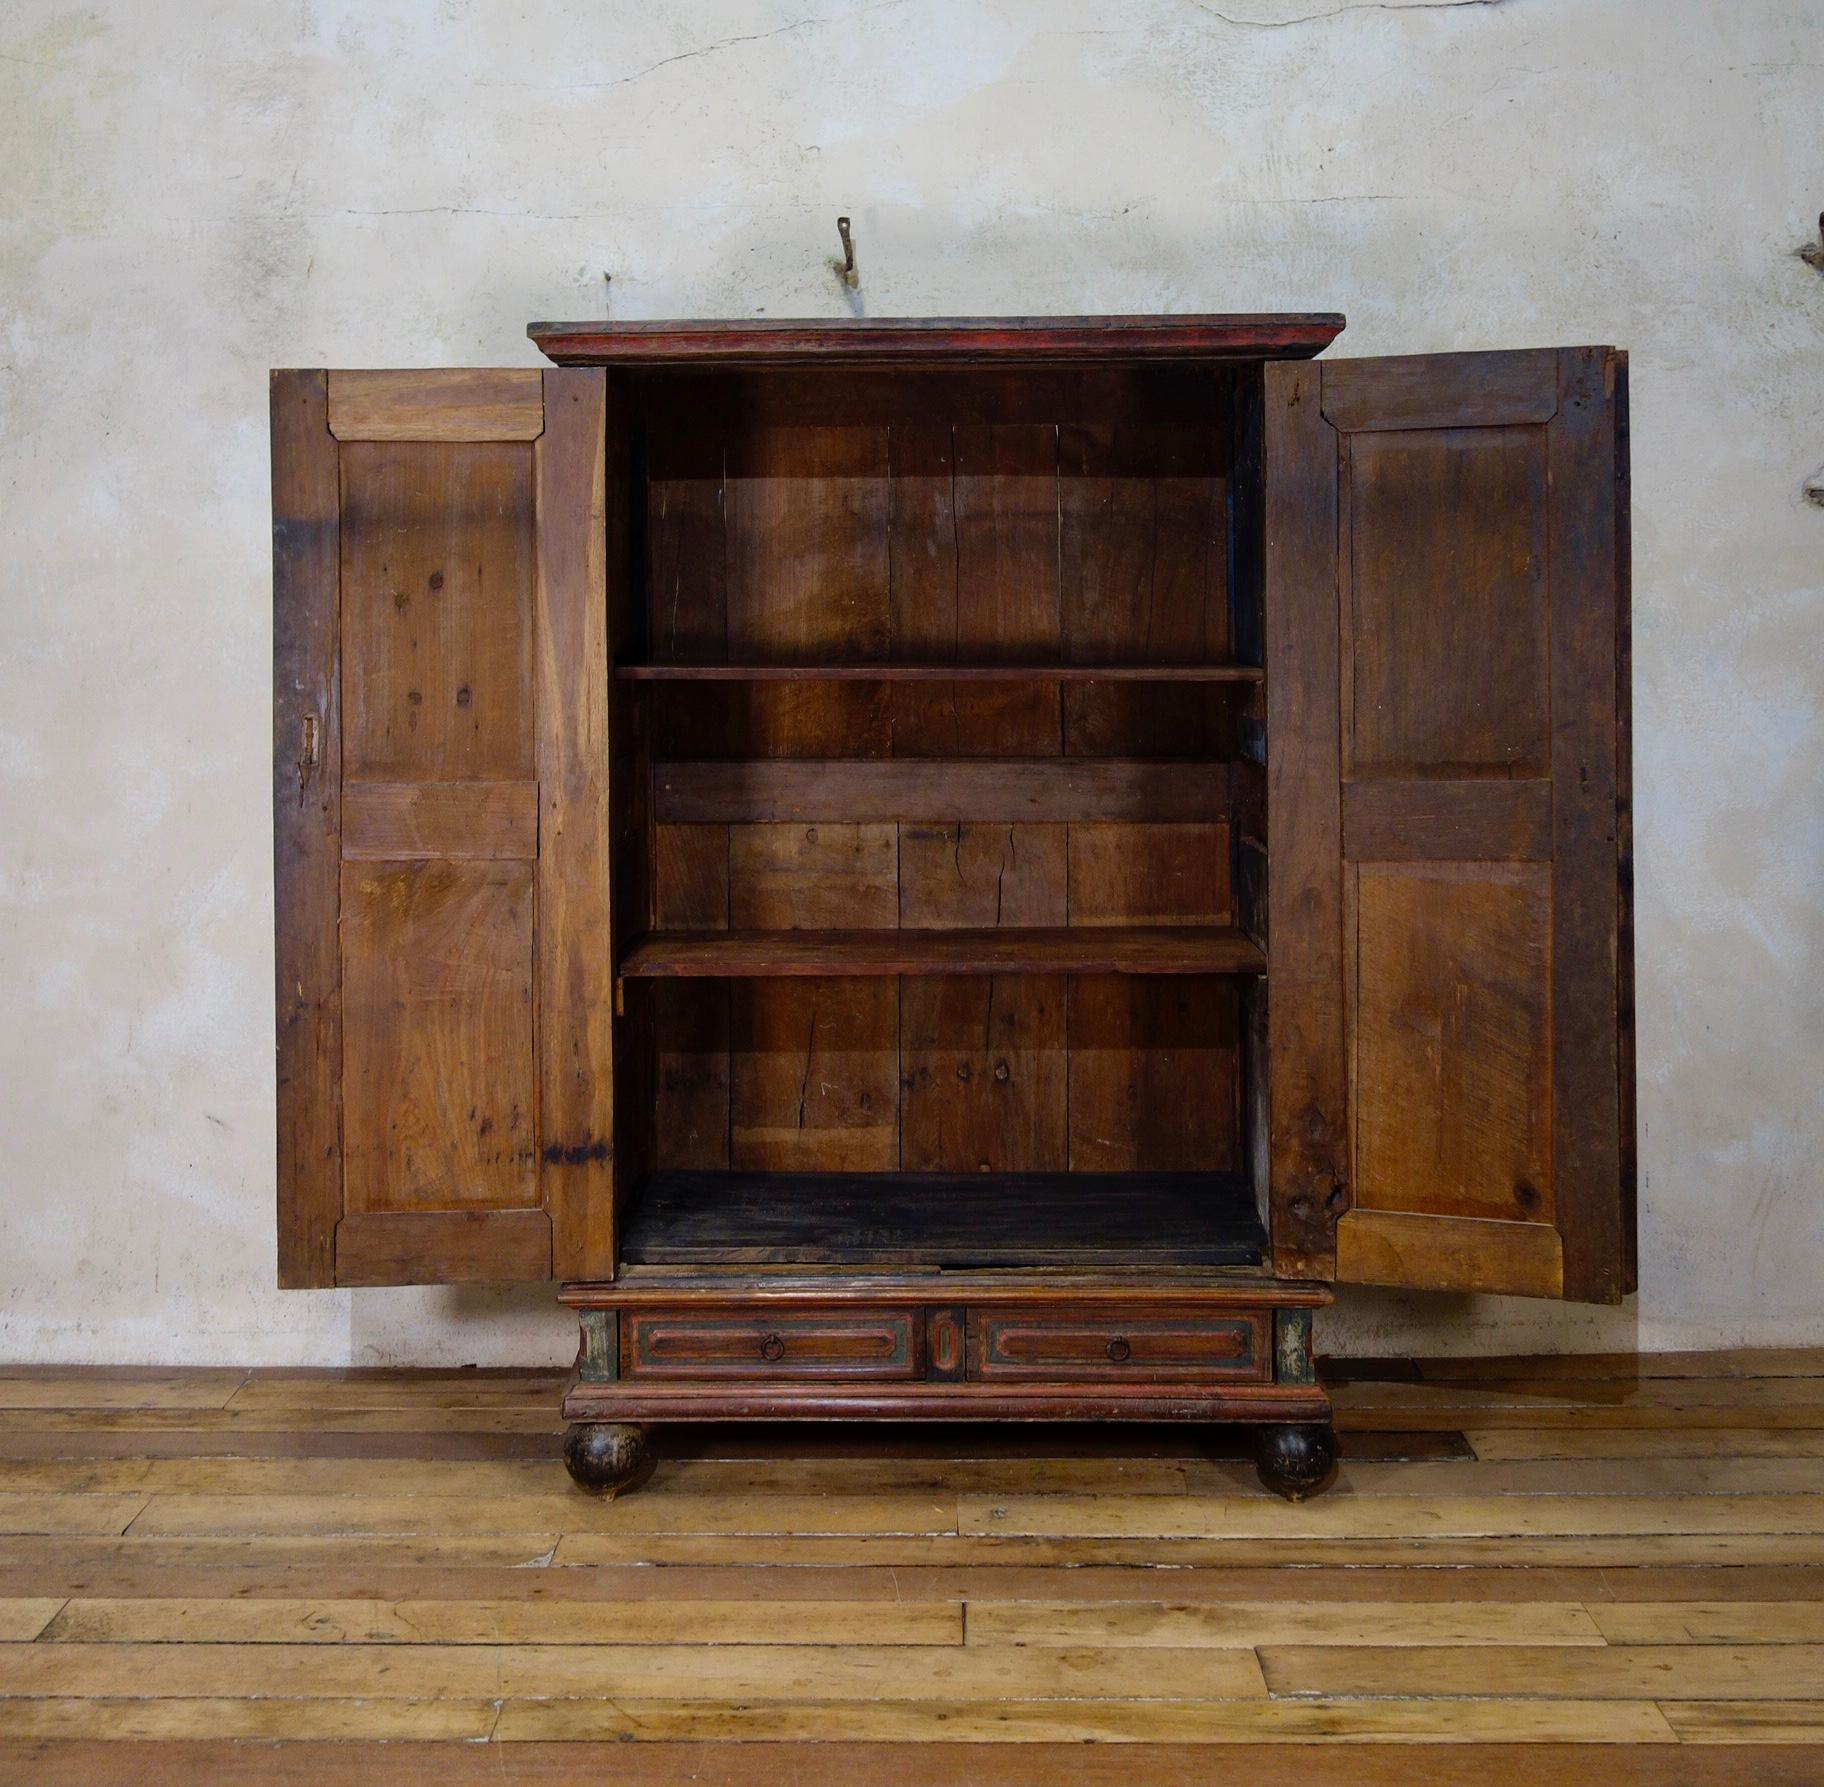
773, 1343
1060, 1345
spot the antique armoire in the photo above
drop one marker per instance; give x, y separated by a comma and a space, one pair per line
955, 869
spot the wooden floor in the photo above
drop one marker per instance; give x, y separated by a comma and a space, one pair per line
1580, 1570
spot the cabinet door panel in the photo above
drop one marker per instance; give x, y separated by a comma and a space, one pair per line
1446, 641
440, 793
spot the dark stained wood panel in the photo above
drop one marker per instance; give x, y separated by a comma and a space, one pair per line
690, 877
1154, 1073
1150, 875
692, 1081
938, 340
579, 532
1005, 478
940, 790
812, 877
983, 876
1017, 672
307, 826
805, 526
440, 1095
438, 563
1307, 1071
1478, 559
1506, 388
937, 1220
984, 1075
974, 578
982, 1069
1450, 1039
1089, 949
686, 535
814, 1075
1592, 871
1480, 819
1445, 562
1143, 543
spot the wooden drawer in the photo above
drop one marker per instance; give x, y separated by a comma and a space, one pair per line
1111, 1344
779, 1343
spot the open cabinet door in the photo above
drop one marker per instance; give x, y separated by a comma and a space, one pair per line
441, 826
1451, 1069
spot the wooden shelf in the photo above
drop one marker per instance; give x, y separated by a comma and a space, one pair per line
943, 1220
941, 791
1083, 949
940, 673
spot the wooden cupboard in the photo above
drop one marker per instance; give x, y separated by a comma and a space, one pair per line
947, 869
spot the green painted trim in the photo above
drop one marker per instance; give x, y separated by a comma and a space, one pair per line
599, 1360
1292, 1361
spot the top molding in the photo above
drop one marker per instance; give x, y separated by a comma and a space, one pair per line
948, 341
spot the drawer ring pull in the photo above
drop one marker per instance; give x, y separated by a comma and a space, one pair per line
1119, 1350
772, 1347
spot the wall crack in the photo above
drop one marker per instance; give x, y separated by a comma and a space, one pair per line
1336, 12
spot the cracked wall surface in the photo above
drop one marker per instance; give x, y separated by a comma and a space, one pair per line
200, 190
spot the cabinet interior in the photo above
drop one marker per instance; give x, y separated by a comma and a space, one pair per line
939, 839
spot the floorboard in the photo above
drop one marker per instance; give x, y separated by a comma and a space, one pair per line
1558, 1570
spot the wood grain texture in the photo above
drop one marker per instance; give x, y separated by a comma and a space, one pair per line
395, 821
940, 341
1014, 672
186, 1620
1474, 568
460, 404
1307, 1074
307, 825
1445, 602
983, 1074
1416, 391
778, 1342
1155, 1071
438, 567
73, 1761
440, 1092
1143, 527
929, 1219
1101, 949
1469, 1252
1150, 875
1482, 819
1451, 1041
1157, 1345
812, 877
1441, 1613
444, 1246
814, 1074
934, 791
1591, 998
574, 980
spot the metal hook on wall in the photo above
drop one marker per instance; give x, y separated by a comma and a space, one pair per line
845, 268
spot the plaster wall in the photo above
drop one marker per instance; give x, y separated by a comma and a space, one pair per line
201, 189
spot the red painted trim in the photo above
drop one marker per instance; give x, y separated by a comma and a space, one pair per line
944, 1402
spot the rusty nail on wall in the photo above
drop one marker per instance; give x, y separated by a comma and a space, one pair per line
845, 268
1814, 488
